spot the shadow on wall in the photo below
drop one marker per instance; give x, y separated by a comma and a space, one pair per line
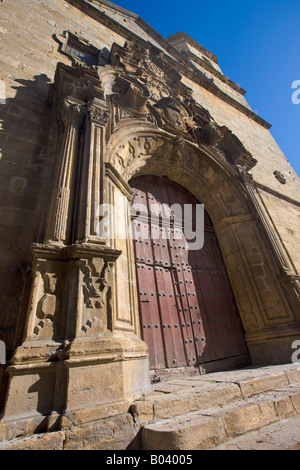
27, 147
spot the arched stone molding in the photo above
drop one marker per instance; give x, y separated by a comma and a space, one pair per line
138, 149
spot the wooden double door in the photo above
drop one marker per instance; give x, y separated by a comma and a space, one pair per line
187, 308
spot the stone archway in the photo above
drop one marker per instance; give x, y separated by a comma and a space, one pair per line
249, 261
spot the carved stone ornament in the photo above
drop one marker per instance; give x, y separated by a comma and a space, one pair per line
98, 115
154, 78
235, 151
96, 290
47, 307
134, 97
72, 112
93, 288
210, 134
128, 57
174, 114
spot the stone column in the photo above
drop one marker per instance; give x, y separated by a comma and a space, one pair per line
59, 219
282, 261
91, 174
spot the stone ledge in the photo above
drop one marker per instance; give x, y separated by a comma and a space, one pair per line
177, 396
209, 428
284, 435
48, 441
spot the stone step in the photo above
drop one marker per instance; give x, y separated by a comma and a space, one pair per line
211, 427
282, 435
180, 396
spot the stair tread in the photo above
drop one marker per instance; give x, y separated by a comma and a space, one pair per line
220, 410
282, 435
210, 427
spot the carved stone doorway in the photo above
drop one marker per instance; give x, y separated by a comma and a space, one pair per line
188, 313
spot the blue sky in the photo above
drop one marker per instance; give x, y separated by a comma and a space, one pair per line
258, 46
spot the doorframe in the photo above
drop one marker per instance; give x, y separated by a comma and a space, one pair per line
230, 200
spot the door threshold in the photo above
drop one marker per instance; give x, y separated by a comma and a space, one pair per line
220, 365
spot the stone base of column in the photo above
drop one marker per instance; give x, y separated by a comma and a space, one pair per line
93, 379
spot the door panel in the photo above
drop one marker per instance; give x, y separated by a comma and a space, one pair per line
187, 308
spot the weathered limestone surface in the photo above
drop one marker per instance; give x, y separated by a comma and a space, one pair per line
261, 412
52, 441
266, 399
72, 136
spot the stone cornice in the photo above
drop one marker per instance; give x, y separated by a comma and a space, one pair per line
178, 37
210, 86
176, 59
215, 72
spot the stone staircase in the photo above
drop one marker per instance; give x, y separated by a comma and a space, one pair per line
243, 409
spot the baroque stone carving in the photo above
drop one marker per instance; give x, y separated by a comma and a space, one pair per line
154, 78
139, 62
173, 114
98, 115
47, 307
133, 96
235, 151
94, 287
96, 290
72, 112
128, 57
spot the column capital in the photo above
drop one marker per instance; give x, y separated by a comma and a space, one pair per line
98, 114
72, 111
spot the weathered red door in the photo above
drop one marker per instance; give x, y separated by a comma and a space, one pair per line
187, 309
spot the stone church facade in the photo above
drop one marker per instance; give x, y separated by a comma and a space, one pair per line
99, 109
